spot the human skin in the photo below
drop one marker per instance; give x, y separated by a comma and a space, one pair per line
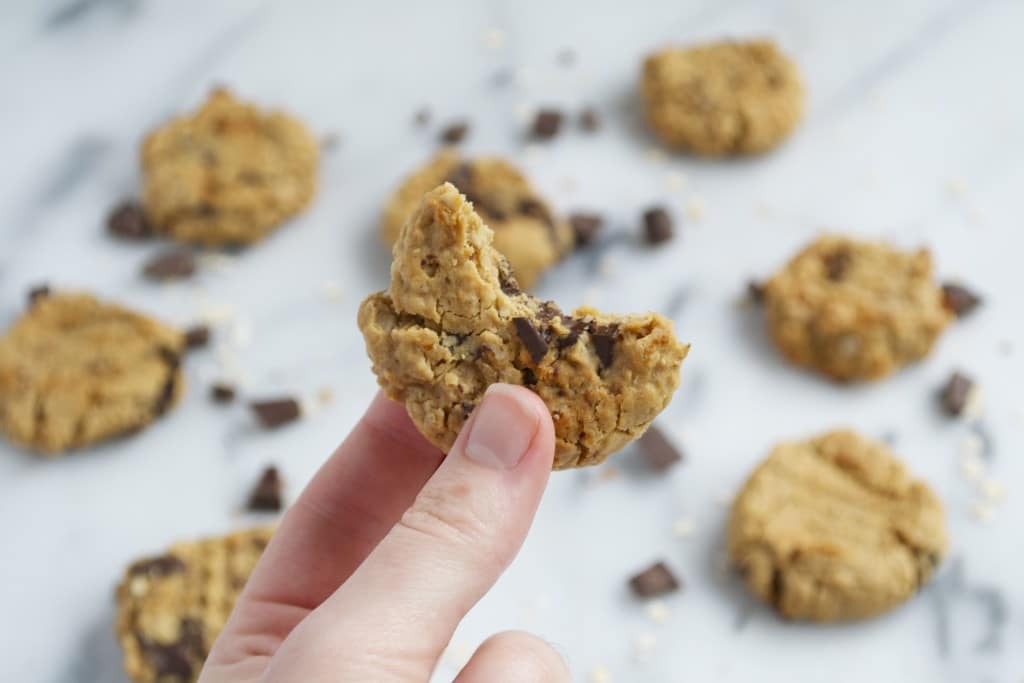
388, 548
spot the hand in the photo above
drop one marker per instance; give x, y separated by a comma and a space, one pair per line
389, 547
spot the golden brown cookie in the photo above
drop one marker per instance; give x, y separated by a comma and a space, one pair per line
525, 229
75, 371
454, 322
227, 174
722, 98
835, 528
170, 608
855, 309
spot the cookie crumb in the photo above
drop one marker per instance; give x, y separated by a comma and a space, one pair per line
325, 395
982, 511
494, 39
222, 392
590, 120
993, 490
600, 674
695, 208
455, 132
657, 611
643, 646
546, 124
277, 412
333, 291
266, 496
676, 181
956, 187
197, 337
656, 154
585, 227
684, 527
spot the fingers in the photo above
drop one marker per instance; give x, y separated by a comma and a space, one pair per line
515, 657
400, 608
352, 502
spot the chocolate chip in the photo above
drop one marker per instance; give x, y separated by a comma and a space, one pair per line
176, 262
656, 580
266, 495
959, 299
603, 339
531, 338
197, 337
168, 660
658, 452
422, 116
576, 328
157, 566
222, 393
546, 124
455, 133
585, 227
590, 121
955, 394
755, 291
128, 221
276, 412
837, 263
509, 284
38, 292
536, 209
657, 225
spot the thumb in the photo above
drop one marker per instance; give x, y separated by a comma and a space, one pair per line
393, 617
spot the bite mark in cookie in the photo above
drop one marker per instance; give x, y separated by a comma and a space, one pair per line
455, 321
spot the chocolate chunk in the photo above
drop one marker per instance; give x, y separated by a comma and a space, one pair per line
656, 580
955, 394
546, 124
837, 263
176, 262
755, 291
531, 338
38, 292
197, 337
166, 397
657, 225
422, 116
222, 393
266, 495
590, 121
658, 452
959, 299
168, 660
603, 339
128, 221
157, 566
576, 328
275, 413
455, 133
585, 227
462, 177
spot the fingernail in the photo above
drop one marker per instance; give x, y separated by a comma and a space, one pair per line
503, 428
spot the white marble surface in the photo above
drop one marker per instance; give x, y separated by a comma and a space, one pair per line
913, 133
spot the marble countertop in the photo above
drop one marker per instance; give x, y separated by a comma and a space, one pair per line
913, 133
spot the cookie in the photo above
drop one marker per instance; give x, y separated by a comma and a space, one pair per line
526, 231
170, 608
835, 528
723, 98
855, 310
454, 321
75, 371
227, 174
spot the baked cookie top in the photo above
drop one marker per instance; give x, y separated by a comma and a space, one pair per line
525, 229
835, 528
75, 371
855, 309
227, 174
722, 98
170, 608
454, 321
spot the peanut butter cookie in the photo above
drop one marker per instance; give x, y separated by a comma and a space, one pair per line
454, 321
723, 98
227, 174
835, 528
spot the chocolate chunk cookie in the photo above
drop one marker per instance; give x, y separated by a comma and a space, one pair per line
526, 231
170, 608
835, 528
75, 371
454, 321
723, 98
854, 309
227, 174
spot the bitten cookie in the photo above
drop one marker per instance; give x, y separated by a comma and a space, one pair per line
723, 98
227, 174
835, 528
525, 229
854, 309
75, 371
454, 322
170, 608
